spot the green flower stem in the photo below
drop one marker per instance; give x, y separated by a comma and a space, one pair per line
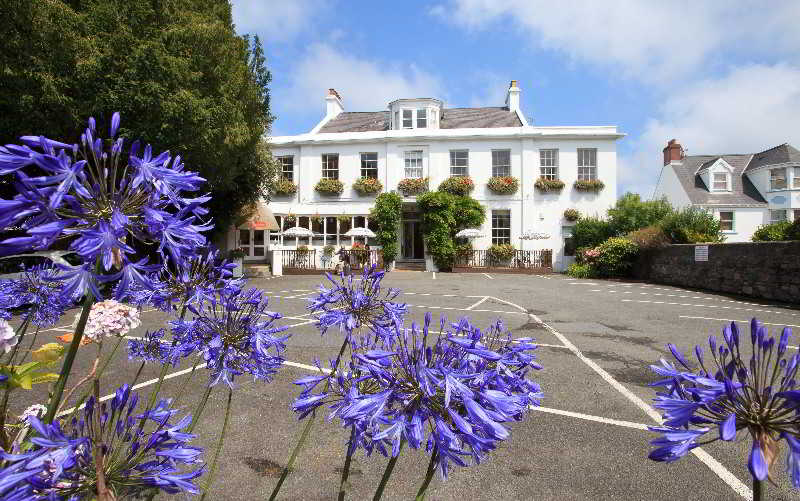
351, 449
164, 368
30, 346
199, 410
387, 473
219, 446
3, 436
758, 489
96, 375
21, 330
428, 474
58, 389
186, 382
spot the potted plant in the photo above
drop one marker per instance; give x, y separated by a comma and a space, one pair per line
316, 219
237, 256
367, 186
413, 186
594, 185
327, 251
457, 185
503, 185
332, 187
549, 185
572, 215
284, 187
290, 218
501, 254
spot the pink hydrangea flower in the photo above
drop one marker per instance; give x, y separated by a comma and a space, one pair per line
8, 339
110, 318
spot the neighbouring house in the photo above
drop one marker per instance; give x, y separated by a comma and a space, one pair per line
743, 191
333, 173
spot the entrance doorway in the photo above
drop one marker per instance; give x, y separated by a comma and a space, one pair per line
413, 247
254, 243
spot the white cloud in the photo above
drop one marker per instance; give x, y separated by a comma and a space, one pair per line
652, 41
365, 85
276, 21
752, 108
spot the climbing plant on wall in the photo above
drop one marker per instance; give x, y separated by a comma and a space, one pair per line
387, 213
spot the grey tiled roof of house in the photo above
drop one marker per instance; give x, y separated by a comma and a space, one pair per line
742, 193
451, 118
781, 154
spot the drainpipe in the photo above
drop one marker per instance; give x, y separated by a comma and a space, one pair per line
522, 191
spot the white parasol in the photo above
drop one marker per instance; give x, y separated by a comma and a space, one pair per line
360, 232
298, 231
469, 233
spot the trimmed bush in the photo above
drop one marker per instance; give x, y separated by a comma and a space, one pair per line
691, 226
387, 213
616, 257
774, 232
501, 252
549, 185
367, 186
572, 215
651, 237
591, 232
284, 187
503, 185
579, 270
413, 186
457, 185
589, 185
329, 187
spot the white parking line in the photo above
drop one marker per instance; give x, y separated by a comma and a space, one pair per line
478, 303
434, 275
734, 320
487, 276
710, 306
589, 417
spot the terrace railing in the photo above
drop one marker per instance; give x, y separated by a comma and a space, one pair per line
522, 260
294, 259
358, 258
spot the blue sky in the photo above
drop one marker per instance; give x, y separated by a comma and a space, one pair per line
721, 77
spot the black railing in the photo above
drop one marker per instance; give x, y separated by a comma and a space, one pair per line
521, 259
299, 259
358, 258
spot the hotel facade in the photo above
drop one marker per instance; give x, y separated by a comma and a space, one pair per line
418, 140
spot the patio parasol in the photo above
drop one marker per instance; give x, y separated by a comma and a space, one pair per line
469, 233
360, 232
298, 231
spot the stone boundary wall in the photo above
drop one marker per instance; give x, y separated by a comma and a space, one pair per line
769, 270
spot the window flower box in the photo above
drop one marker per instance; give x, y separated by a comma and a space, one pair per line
284, 187
594, 185
332, 187
503, 185
367, 186
457, 185
572, 215
549, 185
413, 186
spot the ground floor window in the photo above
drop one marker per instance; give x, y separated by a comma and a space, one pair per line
726, 220
327, 229
777, 215
501, 227
569, 241
797, 213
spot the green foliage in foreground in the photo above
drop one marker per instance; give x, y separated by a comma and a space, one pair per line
690, 226
775, 232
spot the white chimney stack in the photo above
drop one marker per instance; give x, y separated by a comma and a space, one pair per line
512, 99
333, 104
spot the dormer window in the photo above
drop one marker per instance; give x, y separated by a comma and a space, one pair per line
721, 181
421, 113
408, 119
422, 118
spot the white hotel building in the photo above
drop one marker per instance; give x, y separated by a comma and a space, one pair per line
420, 138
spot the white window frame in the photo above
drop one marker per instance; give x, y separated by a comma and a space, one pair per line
775, 180
407, 116
781, 213
501, 163
726, 179
287, 168
459, 163
369, 164
501, 234
329, 172
421, 118
732, 220
414, 164
548, 163
587, 166
796, 177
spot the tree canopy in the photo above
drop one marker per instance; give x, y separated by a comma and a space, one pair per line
631, 213
176, 70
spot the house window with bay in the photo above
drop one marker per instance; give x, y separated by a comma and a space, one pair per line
726, 221
720, 181
796, 180
777, 179
422, 118
369, 165
287, 167
413, 164
501, 163
330, 166
501, 227
777, 215
459, 162
587, 164
408, 119
548, 164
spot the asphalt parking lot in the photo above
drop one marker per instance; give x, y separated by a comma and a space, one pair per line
588, 441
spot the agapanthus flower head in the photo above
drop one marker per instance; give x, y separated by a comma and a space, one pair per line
152, 348
450, 392
141, 451
100, 193
236, 334
110, 318
39, 293
350, 304
8, 338
733, 388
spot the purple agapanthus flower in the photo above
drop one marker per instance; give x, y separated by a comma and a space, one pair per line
152, 348
38, 293
451, 395
100, 194
142, 451
735, 388
235, 333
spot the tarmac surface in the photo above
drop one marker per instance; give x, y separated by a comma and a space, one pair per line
588, 440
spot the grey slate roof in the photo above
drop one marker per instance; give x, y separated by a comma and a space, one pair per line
451, 118
742, 193
781, 154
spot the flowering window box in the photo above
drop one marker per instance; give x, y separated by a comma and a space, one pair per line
332, 187
457, 185
284, 187
503, 185
594, 185
549, 185
413, 186
367, 186
572, 215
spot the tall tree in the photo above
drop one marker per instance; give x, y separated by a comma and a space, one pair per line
176, 70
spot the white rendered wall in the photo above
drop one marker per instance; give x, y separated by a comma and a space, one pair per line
669, 186
745, 222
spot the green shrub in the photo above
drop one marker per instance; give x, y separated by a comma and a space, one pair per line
327, 251
503, 185
772, 232
616, 257
457, 185
580, 270
499, 253
327, 186
548, 185
303, 249
630, 213
572, 215
367, 186
793, 232
589, 185
413, 186
387, 213
591, 232
651, 237
691, 226
283, 187
468, 213
437, 222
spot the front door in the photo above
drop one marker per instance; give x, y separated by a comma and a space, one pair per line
413, 245
254, 243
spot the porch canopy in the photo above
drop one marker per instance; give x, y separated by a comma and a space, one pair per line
263, 219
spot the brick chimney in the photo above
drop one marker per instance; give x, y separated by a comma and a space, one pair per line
673, 152
333, 103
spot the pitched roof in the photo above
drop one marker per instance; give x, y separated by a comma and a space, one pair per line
451, 118
742, 193
781, 154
